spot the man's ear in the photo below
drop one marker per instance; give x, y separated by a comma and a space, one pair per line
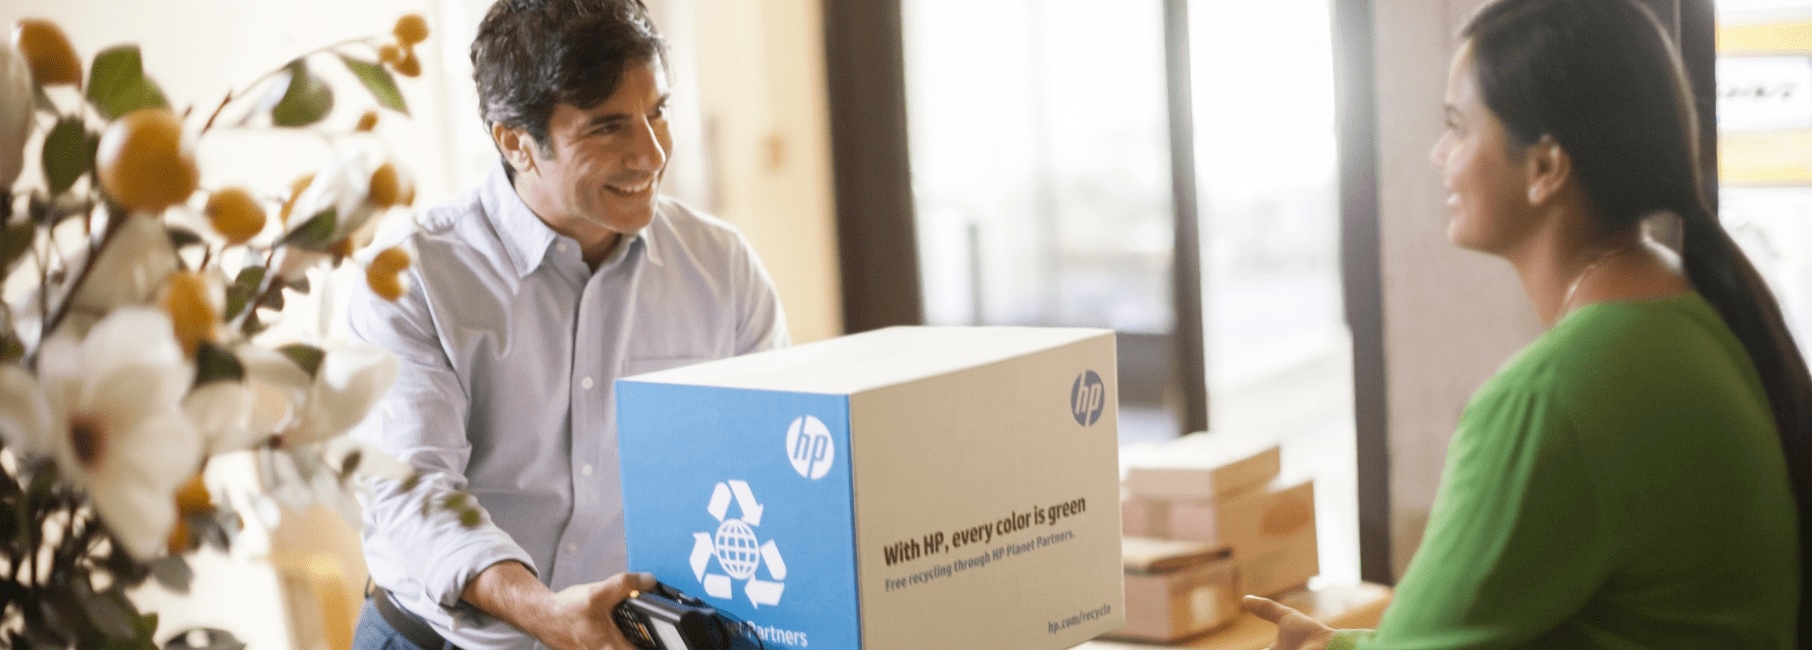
516, 146
1548, 168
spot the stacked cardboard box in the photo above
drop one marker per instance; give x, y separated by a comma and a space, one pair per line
1177, 589
1225, 490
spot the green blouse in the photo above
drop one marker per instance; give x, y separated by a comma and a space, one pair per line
1618, 484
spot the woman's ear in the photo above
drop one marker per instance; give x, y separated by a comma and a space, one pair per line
1547, 166
516, 146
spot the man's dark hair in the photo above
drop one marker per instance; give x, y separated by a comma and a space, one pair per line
532, 54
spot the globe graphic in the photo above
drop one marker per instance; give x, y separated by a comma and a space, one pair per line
737, 549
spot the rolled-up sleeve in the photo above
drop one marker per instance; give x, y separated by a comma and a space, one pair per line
422, 421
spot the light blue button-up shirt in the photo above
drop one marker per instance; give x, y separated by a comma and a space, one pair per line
509, 348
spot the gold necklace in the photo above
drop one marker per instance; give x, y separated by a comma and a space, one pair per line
1567, 302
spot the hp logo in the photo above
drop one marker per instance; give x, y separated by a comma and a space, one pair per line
1087, 398
810, 447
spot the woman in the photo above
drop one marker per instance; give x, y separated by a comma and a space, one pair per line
1638, 476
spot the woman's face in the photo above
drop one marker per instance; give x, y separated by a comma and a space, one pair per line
1488, 206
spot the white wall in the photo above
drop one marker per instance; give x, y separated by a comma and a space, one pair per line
766, 120
1451, 317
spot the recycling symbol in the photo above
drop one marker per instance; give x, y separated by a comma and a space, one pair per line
738, 552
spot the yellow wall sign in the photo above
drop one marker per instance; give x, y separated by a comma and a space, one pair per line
1767, 38
1776, 158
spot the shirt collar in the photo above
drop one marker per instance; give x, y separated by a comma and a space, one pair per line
526, 238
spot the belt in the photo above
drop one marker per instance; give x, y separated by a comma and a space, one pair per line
413, 628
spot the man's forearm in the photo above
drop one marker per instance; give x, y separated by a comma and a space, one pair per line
512, 594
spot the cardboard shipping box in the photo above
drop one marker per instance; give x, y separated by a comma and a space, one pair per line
1176, 590
1207, 466
1271, 530
1143, 517
903, 488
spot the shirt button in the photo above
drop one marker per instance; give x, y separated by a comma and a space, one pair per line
572, 548
586, 383
586, 470
561, 247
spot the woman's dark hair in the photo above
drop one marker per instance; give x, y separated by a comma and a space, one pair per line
532, 54
1604, 81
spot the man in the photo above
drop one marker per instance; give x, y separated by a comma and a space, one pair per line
532, 293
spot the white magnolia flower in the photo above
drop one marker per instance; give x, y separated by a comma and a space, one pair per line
350, 382
303, 410
373, 461
107, 407
16, 106
343, 185
130, 271
222, 413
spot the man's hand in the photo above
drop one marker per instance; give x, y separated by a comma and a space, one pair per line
577, 618
588, 606
1295, 630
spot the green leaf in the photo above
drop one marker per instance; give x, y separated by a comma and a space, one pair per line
377, 79
11, 351
306, 101
173, 573
253, 325
180, 237
214, 363
111, 613
42, 100
308, 357
246, 285
66, 154
15, 241
236, 299
117, 84
314, 234
43, 478
250, 277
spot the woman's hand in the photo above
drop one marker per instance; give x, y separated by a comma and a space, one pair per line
1295, 630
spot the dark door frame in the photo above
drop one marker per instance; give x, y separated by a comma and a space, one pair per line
1362, 280
1188, 350
877, 240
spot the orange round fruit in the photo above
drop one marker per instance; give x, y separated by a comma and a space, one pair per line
390, 53
409, 66
385, 273
384, 186
191, 311
388, 287
193, 496
295, 192
235, 215
391, 261
178, 541
146, 162
53, 60
411, 29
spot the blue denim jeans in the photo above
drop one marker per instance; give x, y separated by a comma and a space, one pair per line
375, 633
